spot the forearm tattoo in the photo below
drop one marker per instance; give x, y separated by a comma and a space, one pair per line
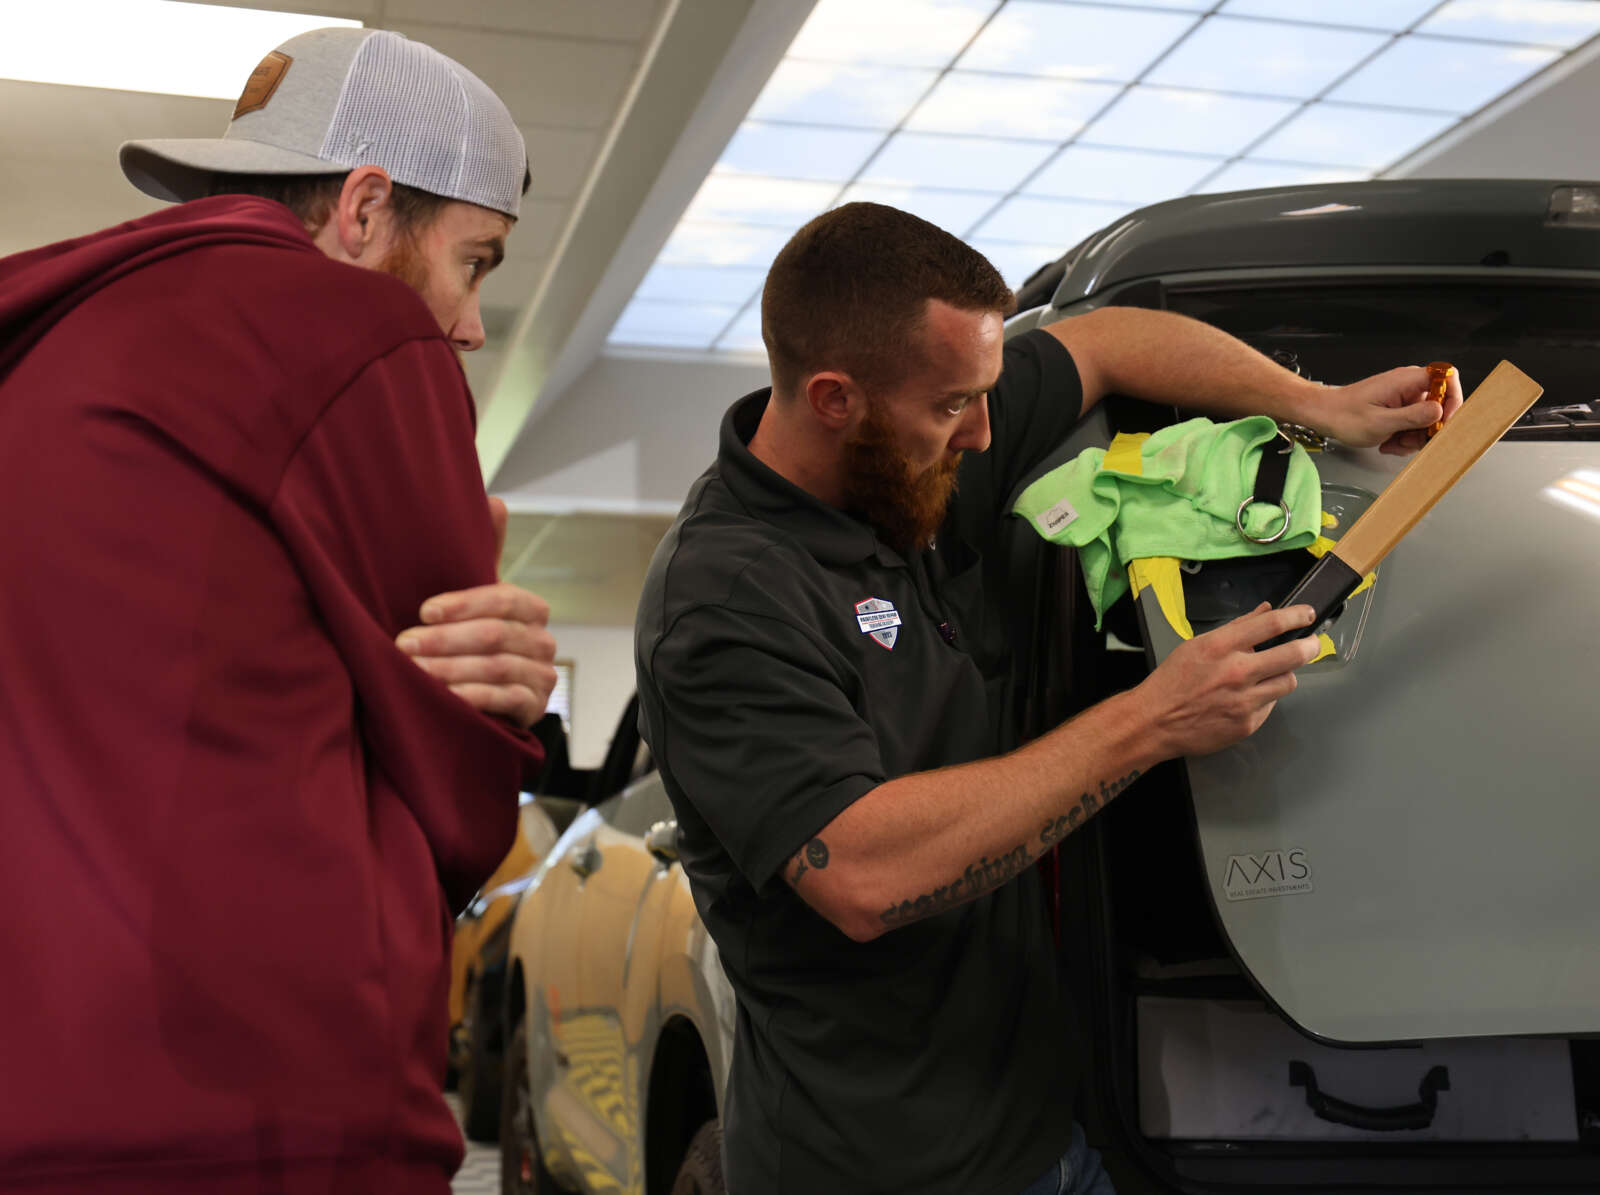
812, 856
988, 874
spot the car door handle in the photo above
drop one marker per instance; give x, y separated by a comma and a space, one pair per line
661, 840
586, 860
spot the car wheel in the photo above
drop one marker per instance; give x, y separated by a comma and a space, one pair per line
522, 1169
479, 1080
701, 1172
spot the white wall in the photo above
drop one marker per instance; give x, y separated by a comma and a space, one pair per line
631, 434
601, 685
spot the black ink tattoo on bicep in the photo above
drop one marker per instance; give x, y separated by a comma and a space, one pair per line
812, 856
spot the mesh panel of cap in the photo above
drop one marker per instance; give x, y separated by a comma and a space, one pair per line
429, 122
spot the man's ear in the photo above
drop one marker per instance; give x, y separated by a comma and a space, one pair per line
835, 400
361, 226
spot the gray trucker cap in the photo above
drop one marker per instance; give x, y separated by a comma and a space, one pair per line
334, 99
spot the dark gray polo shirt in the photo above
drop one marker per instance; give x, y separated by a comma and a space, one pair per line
789, 662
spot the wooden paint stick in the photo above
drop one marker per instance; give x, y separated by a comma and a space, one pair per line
1494, 406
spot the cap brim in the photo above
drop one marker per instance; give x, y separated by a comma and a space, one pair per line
179, 169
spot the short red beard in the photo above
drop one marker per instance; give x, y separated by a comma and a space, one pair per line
405, 263
904, 505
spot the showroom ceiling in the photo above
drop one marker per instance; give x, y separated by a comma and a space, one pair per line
675, 144
1023, 126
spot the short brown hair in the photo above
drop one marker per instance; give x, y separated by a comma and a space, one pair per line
311, 197
850, 291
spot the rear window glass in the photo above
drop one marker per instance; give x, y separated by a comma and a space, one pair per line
1337, 333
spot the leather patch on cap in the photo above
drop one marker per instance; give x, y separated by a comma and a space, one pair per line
262, 83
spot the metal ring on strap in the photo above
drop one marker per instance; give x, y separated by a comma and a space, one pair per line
1238, 520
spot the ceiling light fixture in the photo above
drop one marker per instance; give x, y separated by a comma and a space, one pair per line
161, 46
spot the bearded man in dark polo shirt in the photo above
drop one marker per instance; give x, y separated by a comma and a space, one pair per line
821, 674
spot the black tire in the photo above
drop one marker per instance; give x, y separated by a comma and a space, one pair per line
522, 1169
701, 1172
480, 1079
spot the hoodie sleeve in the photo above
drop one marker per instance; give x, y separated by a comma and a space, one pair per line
382, 506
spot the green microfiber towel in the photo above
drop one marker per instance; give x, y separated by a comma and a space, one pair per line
1174, 494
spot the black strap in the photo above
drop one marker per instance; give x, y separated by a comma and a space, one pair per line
1273, 470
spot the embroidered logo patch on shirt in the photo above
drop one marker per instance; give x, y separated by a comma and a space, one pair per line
879, 619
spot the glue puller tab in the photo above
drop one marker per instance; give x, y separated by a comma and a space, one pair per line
1438, 386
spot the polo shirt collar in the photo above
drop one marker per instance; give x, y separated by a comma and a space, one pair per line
831, 535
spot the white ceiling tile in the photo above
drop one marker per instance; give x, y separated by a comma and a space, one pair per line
1026, 220
1392, 15
1266, 57
614, 20
513, 281
559, 159
1337, 135
1442, 74
1119, 175
954, 211
543, 80
1201, 122
359, 9
890, 32
1049, 109
839, 94
1074, 41
955, 163
538, 226
87, 124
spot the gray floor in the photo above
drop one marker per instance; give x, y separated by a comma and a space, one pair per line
480, 1172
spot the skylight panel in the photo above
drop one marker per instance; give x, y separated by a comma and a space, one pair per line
1026, 220
1393, 15
672, 325
1248, 175
1017, 261
1562, 23
799, 151
833, 93
729, 196
700, 284
1183, 5
1267, 57
1119, 175
954, 211
1448, 76
890, 32
696, 243
1338, 135
145, 45
1074, 41
1201, 122
744, 335
955, 163
1050, 109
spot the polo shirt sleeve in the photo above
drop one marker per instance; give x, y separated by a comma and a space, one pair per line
754, 725
1035, 406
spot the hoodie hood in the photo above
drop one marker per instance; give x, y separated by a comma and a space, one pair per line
40, 286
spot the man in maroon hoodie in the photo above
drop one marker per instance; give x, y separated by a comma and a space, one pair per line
240, 791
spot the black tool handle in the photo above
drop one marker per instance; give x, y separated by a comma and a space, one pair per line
1358, 1116
1324, 589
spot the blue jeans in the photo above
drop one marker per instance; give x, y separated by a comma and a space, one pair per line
1078, 1172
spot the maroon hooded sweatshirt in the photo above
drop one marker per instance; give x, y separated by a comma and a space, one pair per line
234, 818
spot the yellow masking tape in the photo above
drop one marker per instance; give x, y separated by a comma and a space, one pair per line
1325, 650
1124, 454
1161, 574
